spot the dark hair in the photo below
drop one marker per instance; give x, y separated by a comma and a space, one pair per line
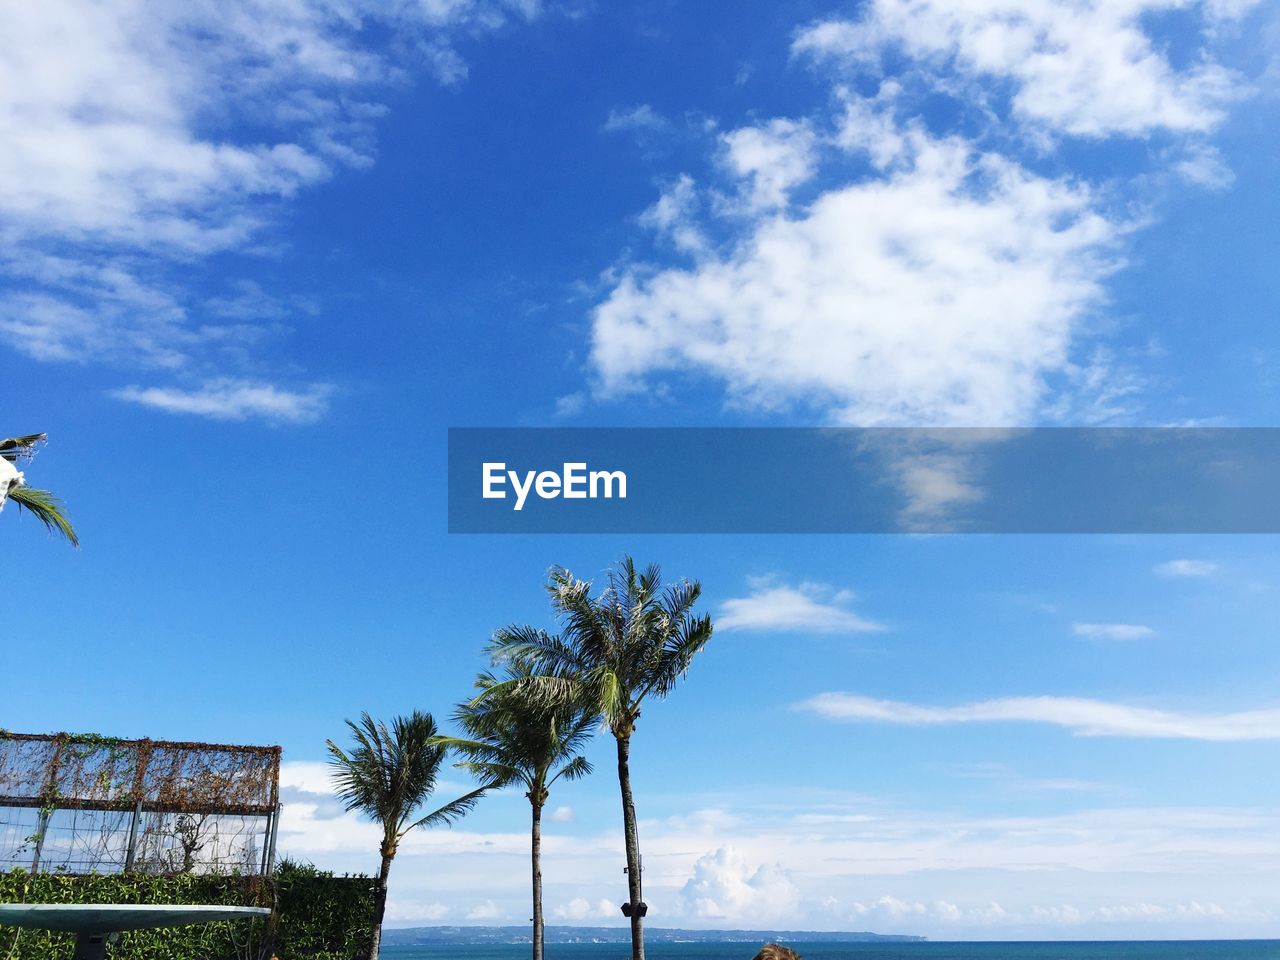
775, 951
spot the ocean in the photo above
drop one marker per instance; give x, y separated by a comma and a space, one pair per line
1092, 950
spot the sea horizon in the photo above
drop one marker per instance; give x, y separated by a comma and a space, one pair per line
1216, 949
480, 934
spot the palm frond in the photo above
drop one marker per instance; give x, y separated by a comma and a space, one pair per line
531, 650
518, 729
678, 654
389, 771
14, 449
633, 640
451, 812
546, 690
575, 769
493, 775
46, 508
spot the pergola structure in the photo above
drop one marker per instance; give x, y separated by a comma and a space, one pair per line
78, 804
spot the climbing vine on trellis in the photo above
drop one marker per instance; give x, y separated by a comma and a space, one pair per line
85, 803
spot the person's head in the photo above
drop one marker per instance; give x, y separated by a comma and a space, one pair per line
775, 951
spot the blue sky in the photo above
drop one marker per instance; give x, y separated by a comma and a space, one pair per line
258, 263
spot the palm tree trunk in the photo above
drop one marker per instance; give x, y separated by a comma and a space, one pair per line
632, 839
379, 907
537, 880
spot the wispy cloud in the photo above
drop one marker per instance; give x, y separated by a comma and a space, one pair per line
1085, 717
231, 399
1082, 69
639, 118
1112, 631
1187, 568
811, 607
1007, 778
142, 137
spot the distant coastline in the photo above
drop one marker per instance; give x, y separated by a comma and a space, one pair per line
429, 936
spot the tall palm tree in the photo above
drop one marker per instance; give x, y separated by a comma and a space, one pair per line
41, 504
387, 775
634, 641
514, 737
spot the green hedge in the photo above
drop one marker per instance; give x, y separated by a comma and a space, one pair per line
316, 915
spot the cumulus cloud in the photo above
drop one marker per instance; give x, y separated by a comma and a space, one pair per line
811, 607
1112, 631
233, 399
875, 263
1093, 718
944, 290
1187, 568
726, 888
562, 815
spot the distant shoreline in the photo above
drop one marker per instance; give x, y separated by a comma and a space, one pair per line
427, 936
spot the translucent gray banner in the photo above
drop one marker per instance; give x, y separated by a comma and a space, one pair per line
781, 480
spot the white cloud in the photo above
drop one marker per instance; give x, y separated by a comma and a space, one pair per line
562, 815
485, 911
725, 888
580, 908
310, 776
102, 110
233, 399
1203, 166
890, 912
642, 118
770, 160
141, 136
810, 607
930, 275
1086, 69
834, 859
1187, 568
673, 216
410, 913
1112, 631
944, 290
571, 404
1081, 716
936, 478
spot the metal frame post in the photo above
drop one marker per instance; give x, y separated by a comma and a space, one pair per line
132, 853
42, 828
275, 832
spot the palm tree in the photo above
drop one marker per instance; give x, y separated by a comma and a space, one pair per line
41, 504
633, 641
514, 737
388, 775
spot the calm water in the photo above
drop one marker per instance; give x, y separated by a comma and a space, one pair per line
1130, 950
